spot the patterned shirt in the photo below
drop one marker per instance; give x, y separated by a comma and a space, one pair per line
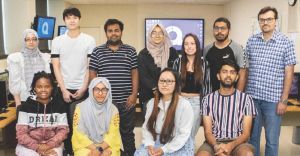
116, 67
227, 113
267, 62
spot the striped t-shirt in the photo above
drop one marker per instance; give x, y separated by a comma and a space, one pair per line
116, 67
227, 113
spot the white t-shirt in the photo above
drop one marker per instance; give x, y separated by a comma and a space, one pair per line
73, 54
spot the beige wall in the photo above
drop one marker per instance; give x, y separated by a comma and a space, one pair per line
133, 17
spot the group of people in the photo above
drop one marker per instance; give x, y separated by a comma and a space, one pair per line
177, 90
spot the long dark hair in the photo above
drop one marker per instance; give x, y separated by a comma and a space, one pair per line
166, 134
198, 74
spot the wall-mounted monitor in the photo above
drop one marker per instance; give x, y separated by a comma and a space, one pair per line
295, 89
44, 25
61, 30
177, 28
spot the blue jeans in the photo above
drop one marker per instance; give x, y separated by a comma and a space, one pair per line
186, 150
267, 117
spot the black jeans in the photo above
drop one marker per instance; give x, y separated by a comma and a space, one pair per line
126, 129
70, 107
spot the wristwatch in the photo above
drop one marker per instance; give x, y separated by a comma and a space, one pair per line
100, 149
285, 101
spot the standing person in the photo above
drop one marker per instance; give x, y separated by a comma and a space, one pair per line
223, 48
42, 121
168, 122
190, 69
96, 122
24, 64
227, 116
271, 69
70, 56
157, 55
118, 63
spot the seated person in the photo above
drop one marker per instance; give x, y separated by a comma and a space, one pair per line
24, 64
168, 121
96, 122
42, 121
227, 117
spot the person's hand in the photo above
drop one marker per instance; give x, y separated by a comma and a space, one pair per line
158, 152
79, 93
227, 148
42, 148
50, 152
281, 108
106, 152
219, 151
131, 101
150, 150
67, 96
94, 153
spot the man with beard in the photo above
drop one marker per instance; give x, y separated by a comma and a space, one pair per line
223, 48
227, 116
118, 63
271, 69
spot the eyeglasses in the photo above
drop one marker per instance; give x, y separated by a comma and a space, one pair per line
168, 82
31, 39
100, 90
219, 28
268, 20
154, 33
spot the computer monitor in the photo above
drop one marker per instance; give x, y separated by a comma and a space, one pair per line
44, 25
177, 28
295, 89
61, 30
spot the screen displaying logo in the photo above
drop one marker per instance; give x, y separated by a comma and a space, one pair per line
45, 27
178, 28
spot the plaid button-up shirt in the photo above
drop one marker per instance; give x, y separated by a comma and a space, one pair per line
267, 62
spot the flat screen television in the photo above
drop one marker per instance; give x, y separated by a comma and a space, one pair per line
295, 89
177, 28
44, 25
61, 30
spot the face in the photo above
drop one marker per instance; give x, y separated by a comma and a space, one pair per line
72, 22
100, 92
190, 46
157, 35
227, 76
221, 31
43, 89
114, 34
31, 41
267, 22
166, 83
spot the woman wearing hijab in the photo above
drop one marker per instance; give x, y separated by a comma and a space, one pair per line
42, 120
168, 122
157, 55
24, 64
96, 122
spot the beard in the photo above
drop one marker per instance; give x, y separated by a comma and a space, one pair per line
220, 37
114, 42
227, 85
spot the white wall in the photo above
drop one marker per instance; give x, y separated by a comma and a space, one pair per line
242, 14
18, 14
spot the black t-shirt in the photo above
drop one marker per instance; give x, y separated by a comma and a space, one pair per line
215, 56
190, 86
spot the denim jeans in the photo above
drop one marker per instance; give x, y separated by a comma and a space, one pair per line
267, 117
195, 103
